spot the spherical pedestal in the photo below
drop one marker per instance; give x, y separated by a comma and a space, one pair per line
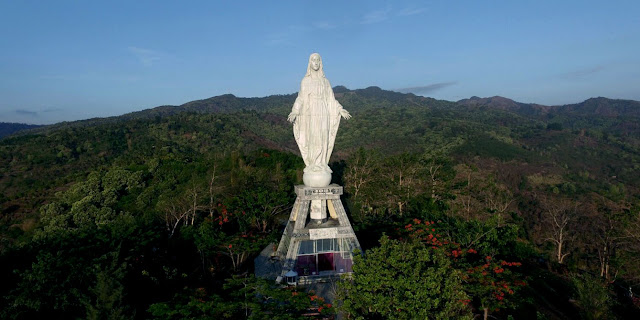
316, 179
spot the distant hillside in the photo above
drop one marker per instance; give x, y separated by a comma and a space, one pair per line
392, 122
220, 104
604, 107
7, 128
376, 97
225, 103
229, 103
620, 117
502, 103
591, 107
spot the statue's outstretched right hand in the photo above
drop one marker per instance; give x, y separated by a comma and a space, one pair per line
292, 117
345, 114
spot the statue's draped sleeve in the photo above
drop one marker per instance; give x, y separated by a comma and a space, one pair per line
299, 123
334, 116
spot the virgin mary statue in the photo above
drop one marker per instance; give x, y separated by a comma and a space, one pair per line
316, 117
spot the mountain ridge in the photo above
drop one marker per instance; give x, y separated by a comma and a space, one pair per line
598, 106
601, 106
9, 128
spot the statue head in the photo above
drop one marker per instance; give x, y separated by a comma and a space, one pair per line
315, 65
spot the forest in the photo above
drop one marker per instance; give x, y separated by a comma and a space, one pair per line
490, 208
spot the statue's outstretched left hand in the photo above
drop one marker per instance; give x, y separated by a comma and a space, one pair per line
292, 117
345, 114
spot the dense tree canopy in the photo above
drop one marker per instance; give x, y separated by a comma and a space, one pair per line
404, 280
531, 211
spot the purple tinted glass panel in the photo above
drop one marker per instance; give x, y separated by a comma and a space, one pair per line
306, 265
325, 262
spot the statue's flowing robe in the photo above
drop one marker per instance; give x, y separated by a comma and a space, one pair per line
317, 121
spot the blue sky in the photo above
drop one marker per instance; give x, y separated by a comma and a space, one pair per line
69, 60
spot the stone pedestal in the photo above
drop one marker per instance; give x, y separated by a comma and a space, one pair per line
318, 241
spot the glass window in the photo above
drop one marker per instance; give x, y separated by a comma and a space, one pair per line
342, 264
306, 247
344, 244
306, 265
326, 245
325, 262
347, 246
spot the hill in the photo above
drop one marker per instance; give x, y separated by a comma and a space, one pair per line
623, 114
159, 198
393, 122
220, 104
7, 128
594, 107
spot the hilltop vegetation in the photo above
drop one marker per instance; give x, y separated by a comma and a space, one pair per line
7, 128
160, 212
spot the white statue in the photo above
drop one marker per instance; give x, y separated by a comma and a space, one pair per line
316, 117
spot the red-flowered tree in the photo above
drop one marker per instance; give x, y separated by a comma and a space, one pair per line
490, 283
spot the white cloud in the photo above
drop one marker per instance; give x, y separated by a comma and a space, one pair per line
54, 77
285, 37
145, 56
428, 88
324, 25
582, 73
411, 11
375, 16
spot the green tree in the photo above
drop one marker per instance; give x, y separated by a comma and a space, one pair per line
244, 297
260, 203
403, 280
592, 296
108, 291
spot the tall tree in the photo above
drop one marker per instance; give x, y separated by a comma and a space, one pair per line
558, 220
403, 280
